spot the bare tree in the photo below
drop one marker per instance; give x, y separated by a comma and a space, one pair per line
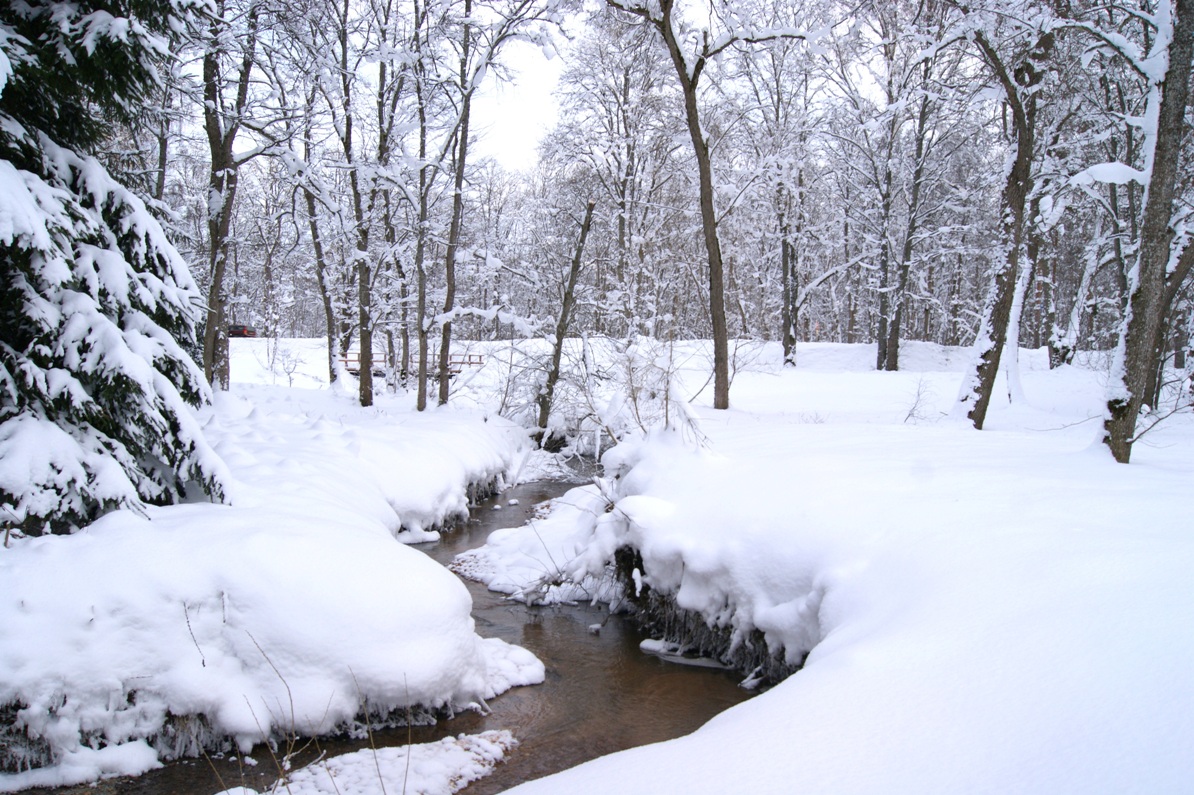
618, 124
227, 75
1142, 331
1018, 65
481, 42
468, 85
689, 68
545, 396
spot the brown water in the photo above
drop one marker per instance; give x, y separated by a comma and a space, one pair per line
601, 694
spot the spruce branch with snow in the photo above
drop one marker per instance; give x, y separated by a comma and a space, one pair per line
96, 388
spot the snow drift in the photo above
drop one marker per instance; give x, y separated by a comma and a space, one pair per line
1004, 611
293, 610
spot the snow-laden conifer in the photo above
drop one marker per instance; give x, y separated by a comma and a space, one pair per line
95, 388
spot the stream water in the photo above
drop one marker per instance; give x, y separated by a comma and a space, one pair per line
602, 694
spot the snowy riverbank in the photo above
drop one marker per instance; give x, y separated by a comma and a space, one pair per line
159, 635
1004, 611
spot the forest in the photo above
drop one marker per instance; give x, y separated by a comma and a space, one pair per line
914, 170
986, 175
759, 250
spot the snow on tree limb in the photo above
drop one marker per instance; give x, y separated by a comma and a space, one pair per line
98, 394
96, 390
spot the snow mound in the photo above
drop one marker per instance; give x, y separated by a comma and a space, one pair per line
1004, 611
538, 563
398, 469
292, 610
440, 768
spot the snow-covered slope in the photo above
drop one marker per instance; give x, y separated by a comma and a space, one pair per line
997, 611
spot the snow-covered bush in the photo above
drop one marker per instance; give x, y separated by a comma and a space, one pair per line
95, 387
608, 388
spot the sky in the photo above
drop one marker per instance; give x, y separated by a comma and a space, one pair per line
514, 115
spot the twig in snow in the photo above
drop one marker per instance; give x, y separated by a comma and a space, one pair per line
369, 731
186, 612
916, 412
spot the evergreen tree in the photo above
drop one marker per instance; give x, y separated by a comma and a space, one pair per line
95, 388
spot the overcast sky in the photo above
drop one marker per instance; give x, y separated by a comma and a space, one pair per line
513, 116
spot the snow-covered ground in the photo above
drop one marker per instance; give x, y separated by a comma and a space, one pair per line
440, 768
279, 613
997, 611
1004, 611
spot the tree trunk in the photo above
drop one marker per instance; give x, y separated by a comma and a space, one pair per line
421, 325
215, 334
1046, 295
321, 264
553, 374
1015, 387
992, 332
163, 136
1173, 283
625, 180
901, 289
1063, 342
789, 309
1137, 352
1182, 337
790, 266
717, 310
882, 330
221, 141
325, 295
360, 265
365, 319
445, 344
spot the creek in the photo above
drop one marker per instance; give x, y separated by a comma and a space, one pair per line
602, 694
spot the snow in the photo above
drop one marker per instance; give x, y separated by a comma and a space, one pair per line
82, 765
5, 63
154, 633
45, 462
100, 290
997, 611
21, 201
1113, 173
424, 769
